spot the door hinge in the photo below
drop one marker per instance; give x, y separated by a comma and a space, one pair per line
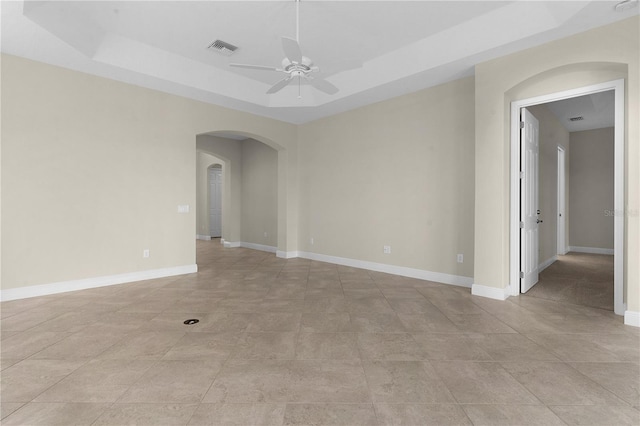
521, 274
521, 225
522, 124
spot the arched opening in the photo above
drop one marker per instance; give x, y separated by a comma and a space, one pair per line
250, 184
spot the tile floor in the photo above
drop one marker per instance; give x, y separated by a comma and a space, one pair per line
293, 342
578, 278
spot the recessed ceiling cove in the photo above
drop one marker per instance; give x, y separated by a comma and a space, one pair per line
370, 50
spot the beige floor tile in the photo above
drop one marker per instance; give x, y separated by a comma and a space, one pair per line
25, 344
203, 346
479, 323
275, 321
190, 305
266, 345
325, 322
88, 343
223, 321
511, 414
512, 347
482, 383
281, 305
412, 306
432, 322
250, 381
25, 320
180, 382
325, 305
146, 414
8, 362
359, 293
330, 414
598, 415
97, 381
367, 305
421, 414
405, 382
390, 347
7, 408
623, 379
26, 380
318, 293
70, 322
63, 414
238, 414
376, 322
586, 347
327, 346
543, 380
450, 346
143, 345
398, 292
340, 381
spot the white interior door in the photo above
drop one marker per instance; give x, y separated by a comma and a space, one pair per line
561, 243
529, 213
215, 202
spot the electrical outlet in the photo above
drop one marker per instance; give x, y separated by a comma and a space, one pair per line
386, 249
311, 240
460, 258
145, 253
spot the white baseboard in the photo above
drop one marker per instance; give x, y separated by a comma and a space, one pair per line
260, 247
65, 286
390, 269
632, 318
490, 292
203, 237
234, 244
287, 254
591, 250
544, 265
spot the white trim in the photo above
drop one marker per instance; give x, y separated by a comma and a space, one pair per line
203, 237
286, 254
65, 286
490, 292
632, 318
234, 244
260, 247
619, 185
391, 269
544, 265
592, 250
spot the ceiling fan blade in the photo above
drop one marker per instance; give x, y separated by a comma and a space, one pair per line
292, 50
279, 85
323, 86
255, 67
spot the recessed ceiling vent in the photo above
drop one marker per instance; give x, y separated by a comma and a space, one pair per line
579, 118
222, 47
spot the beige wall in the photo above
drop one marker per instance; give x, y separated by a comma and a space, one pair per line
552, 133
259, 193
591, 168
398, 173
203, 162
229, 151
93, 171
573, 62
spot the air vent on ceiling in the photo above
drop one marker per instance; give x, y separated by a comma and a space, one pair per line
222, 47
576, 118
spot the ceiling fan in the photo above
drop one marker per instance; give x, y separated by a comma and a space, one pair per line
294, 65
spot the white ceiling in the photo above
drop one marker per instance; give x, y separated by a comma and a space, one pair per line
371, 50
596, 109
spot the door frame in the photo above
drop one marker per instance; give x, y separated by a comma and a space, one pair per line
619, 184
561, 203
211, 170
